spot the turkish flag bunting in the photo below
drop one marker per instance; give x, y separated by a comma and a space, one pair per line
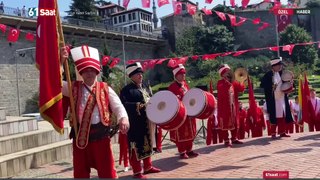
274, 48
232, 3
146, 3
209, 1
13, 35
145, 65
210, 56
276, 5
132, 61
125, 3
207, 11
242, 20
3, 28
288, 48
232, 19
192, 9
267, 1
160, 61
195, 57
172, 62
177, 7
30, 37
256, 21
221, 15
152, 63
163, 2
238, 53
264, 25
183, 60
245, 3
226, 54
105, 60
48, 63
114, 62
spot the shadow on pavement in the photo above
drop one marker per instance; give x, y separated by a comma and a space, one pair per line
303, 138
316, 144
256, 157
299, 150
255, 142
169, 164
224, 168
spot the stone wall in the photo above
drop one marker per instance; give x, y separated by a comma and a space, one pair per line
19, 78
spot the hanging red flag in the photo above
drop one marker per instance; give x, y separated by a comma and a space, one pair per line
242, 20
114, 62
283, 21
163, 2
132, 61
145, 65
210, 56
29, 36
207, 11
195, 57
306, 100
152, 63
146, 3
252, 102
288, 48
264, 25
274, 48
172, 63
3, 28
256, 21
245, 3
192, 9
209, 1
221, 15
48, 63
183, 60
177, 7
232, 19
226, 54
125, 3
105, 60
233, 3
238, 53
161, 60
13, 35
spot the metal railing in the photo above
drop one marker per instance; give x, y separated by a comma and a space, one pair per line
82, 23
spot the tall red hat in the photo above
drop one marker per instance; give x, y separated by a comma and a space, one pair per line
84, 57
179, 69
223, 69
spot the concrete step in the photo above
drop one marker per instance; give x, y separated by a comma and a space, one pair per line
44, 135
15, 163
2, 113
17, 124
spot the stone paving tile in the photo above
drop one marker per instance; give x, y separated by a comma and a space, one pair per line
298, 154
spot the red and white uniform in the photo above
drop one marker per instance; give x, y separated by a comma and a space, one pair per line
256, 126
242, 123
314, 123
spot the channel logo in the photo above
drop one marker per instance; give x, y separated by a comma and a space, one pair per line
34, 12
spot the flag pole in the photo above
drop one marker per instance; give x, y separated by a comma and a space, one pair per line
66, 70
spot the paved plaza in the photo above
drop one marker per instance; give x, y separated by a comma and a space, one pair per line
298, 154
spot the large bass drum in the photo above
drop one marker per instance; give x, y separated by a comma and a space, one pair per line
287, 82
166, 110
199, 104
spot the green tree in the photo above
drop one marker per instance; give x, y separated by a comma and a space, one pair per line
313, 4
83, 9
218, 21
300, 54
186, 44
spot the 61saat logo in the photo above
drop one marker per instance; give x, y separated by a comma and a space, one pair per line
41, 12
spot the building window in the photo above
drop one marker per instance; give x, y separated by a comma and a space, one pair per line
129, 17
115, 20
120, 19
124, 18
135, 27
133, 16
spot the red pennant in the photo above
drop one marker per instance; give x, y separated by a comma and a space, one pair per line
264, 25
226, 54
114, 62
29, 37
160, 61
288, 48
232, 3
177, 7
256, 21
206, 11
132, 61
3, 28
145, 65
192, 9
125, 3
172, 63
267, 1
13, 35
238, 53
242, 20
209, 1
307, 43
221, 15
276, 6
252, 102
210, 56
195, 57
163, 2
183, 60
146, 3
245, 3
105, 60
152, 63
275, 48
232, 19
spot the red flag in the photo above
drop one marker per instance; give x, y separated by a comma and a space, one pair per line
105, 60
232, 3
146, 3
210, 56
125, 3
48, 63
319, 45
209, 1
145, 65
245, 3
183, 60
132, 61
192, 9
256, 21
226, 54
152, 63
206, 11
161, 60
264, 25
173, 62
221, 15
252, 102
3, 28
288, 48
163, 2
238, 53
13, 35
195, 57
242, 20
232, 19
306, 100
29, 36
114, 62
177, 7
274, 48
283, 21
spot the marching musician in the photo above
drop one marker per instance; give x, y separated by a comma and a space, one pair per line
299, 126
258, 125
242, 121
314, 123
183, 136
277, 101
228, 104
135, 97
94, 102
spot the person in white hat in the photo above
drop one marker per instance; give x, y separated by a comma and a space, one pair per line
94, 102
278, 106
135, 97
228, 105
184, 136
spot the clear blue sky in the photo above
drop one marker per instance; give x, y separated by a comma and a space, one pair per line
163, 11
